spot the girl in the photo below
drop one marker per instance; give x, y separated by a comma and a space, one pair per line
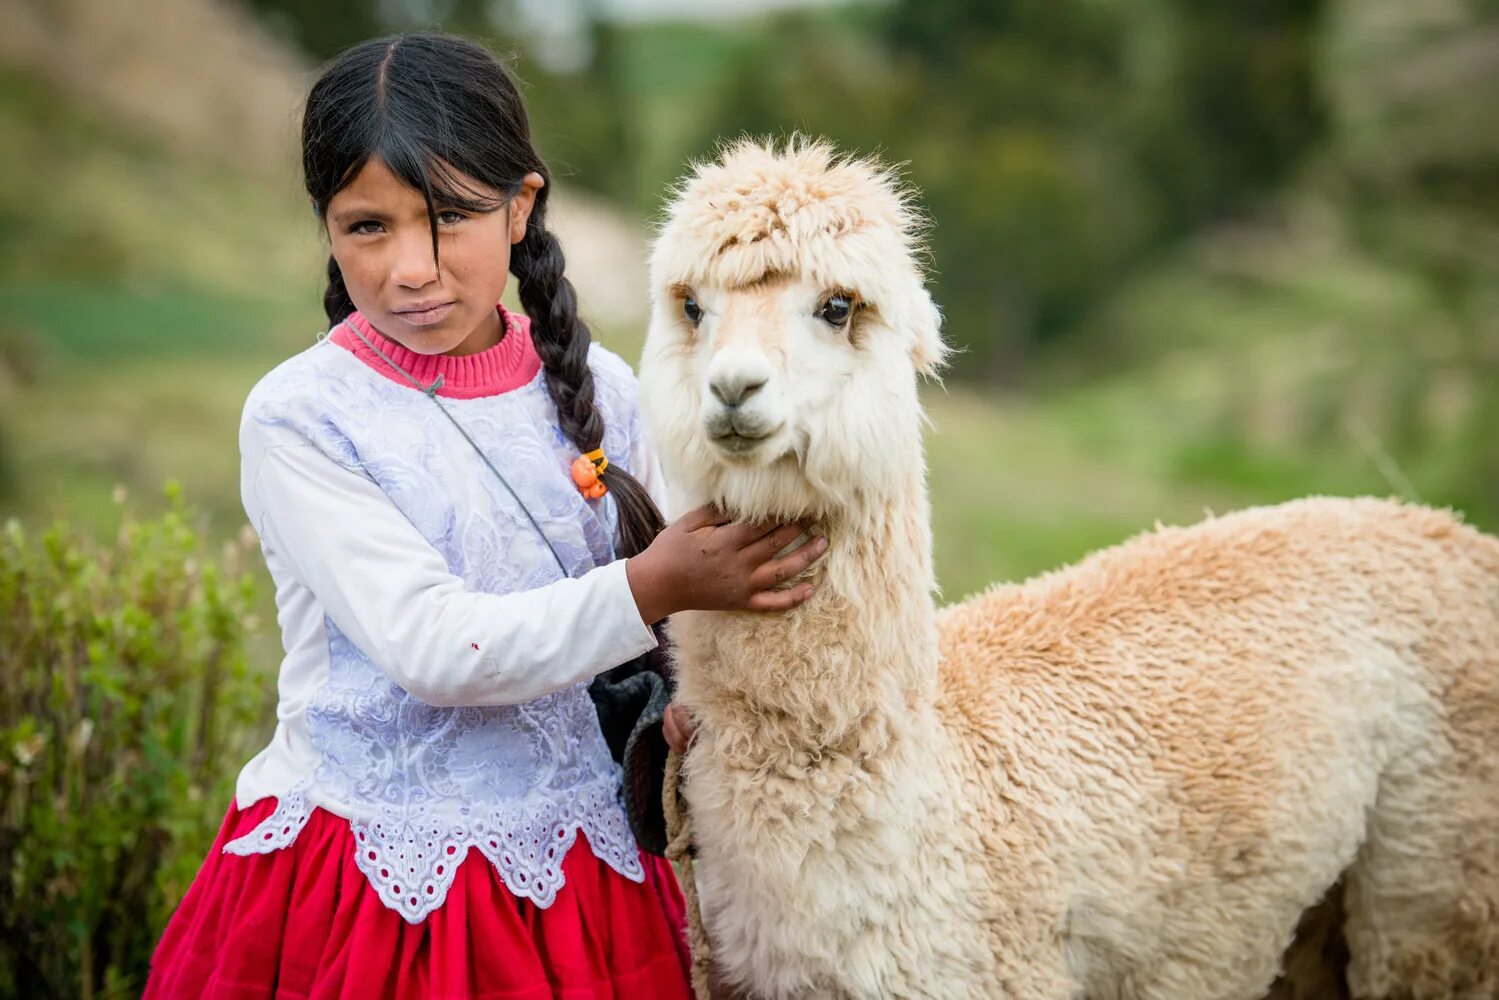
447, 499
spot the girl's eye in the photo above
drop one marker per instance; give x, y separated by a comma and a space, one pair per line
692, 310
447, 217
836, 311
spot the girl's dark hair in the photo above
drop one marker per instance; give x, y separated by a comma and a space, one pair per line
430, 105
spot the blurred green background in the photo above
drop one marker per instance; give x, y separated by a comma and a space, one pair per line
1194, 256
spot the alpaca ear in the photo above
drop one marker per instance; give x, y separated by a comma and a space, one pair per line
928, 352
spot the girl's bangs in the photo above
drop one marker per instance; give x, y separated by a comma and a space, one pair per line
439, 181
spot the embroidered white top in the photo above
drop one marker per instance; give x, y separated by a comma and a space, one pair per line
434, 685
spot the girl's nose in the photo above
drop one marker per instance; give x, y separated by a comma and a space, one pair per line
414, 265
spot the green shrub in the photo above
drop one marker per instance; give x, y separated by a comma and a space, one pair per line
125, 699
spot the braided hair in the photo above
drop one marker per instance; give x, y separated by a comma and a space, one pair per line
430, 107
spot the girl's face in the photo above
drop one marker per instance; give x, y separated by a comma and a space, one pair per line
377, 225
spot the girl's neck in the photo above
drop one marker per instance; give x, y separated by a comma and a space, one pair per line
508, 365
490, 331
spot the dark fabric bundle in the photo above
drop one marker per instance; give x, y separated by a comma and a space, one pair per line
631, 702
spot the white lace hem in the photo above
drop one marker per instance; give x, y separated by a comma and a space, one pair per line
276, 830
411, 860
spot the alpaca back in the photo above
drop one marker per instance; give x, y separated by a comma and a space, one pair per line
1183, 737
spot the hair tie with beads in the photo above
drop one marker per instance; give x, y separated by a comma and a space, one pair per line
587, 470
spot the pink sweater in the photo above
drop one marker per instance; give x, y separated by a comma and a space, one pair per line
510, 364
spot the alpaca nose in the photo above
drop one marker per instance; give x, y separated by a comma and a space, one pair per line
733, 389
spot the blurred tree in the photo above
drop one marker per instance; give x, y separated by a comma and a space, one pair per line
1415, 160
1239, 106
321, 27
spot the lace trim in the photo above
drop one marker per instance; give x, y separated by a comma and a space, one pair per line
527, 850
411, 861
420, 856
276, 830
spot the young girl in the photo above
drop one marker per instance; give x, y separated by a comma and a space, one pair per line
447, 499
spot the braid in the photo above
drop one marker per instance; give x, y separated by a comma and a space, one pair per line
336, 301
562, 340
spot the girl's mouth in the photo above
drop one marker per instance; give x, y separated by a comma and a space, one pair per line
425, 315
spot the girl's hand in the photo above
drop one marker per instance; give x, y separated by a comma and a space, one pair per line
677, 726
705, 562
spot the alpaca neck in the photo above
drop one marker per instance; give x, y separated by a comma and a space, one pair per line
858, 657
820, 760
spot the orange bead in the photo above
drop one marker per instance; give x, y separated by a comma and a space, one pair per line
586, 478
585, 475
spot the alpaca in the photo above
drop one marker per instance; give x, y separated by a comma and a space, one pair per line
1129, 778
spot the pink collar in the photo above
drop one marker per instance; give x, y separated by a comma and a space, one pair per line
510, 364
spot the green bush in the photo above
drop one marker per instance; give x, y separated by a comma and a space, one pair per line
125, 699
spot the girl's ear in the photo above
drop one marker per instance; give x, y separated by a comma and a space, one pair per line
522, 203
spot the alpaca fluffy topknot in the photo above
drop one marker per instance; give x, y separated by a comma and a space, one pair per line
762, 208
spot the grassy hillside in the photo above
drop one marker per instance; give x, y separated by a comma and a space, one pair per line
142, 292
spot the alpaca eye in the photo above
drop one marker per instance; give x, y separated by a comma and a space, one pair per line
692, 310
836, 310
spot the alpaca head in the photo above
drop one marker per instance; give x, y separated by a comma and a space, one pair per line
789, 323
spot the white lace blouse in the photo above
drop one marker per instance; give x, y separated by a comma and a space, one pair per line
434, 685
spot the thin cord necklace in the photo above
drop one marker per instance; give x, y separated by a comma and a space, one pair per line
430, 391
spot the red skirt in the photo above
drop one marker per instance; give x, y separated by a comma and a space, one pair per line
303, 922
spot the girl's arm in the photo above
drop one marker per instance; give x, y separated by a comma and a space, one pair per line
334, 531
